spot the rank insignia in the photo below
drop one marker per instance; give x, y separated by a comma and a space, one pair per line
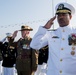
55, 37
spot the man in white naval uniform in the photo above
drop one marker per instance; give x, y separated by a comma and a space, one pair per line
61, 42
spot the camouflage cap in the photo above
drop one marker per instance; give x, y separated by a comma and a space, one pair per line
26, 28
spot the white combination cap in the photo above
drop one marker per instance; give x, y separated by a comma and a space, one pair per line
8, 34
64, 8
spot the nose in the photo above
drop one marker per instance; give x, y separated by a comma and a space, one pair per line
60, 15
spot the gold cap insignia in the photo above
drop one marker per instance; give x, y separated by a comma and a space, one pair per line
61, 6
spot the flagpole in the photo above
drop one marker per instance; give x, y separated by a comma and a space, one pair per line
53, 10
66, 1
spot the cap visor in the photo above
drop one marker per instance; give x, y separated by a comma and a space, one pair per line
26, 29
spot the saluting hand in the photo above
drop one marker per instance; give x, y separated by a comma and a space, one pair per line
49, 23
15, 34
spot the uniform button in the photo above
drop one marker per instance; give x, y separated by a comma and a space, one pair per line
6, 55
73, 48
20, 53
63, 39
61, 60
62, 48
6, 51
11, 50
54, 40
63, 30
60, 71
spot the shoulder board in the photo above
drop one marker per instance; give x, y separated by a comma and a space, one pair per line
46, 47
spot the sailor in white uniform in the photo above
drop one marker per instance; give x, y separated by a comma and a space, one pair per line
61, 42
41, 69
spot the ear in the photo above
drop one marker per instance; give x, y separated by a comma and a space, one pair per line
28, 32
70, 16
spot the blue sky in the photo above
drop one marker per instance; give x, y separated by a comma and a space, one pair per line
15, 13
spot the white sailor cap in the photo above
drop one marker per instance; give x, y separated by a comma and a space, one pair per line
8, 34
64, 8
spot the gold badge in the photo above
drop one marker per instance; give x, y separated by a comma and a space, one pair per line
72, 52
73, 48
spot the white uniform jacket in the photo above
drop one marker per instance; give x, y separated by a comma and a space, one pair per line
62, 55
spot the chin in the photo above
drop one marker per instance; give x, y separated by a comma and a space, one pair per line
63, 25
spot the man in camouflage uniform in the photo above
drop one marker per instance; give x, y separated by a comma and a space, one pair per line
26, 63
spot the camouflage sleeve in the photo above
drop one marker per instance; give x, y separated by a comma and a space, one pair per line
34, 59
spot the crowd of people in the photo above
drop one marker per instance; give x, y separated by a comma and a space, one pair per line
18, 54
47, 53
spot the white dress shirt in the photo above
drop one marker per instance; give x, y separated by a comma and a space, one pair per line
60, 60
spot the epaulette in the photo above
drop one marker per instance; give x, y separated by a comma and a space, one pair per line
45, 47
